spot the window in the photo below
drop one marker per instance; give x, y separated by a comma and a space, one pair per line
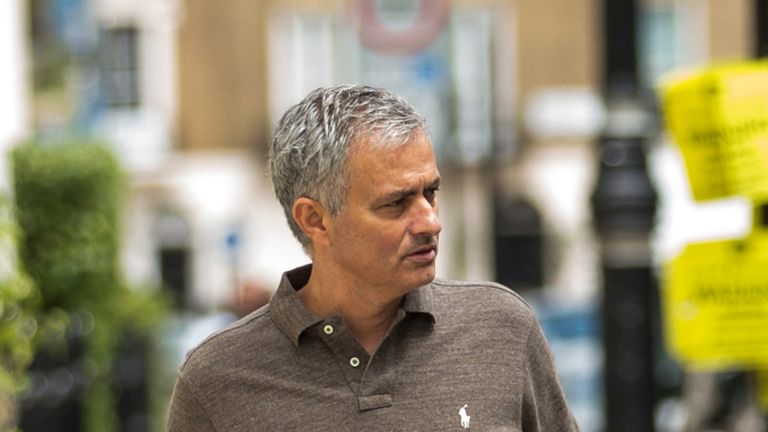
672, 34
120, 70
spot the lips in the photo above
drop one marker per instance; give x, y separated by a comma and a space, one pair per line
424, 253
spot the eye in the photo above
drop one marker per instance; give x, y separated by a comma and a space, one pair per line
396, 203
431, 193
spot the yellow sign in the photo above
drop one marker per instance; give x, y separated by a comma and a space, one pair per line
719, 119
716, 304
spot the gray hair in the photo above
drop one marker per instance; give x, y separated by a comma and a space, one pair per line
310, 146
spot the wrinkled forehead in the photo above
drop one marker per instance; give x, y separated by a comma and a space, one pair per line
374, 171
374, 148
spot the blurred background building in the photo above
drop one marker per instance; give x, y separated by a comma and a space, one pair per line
186, 93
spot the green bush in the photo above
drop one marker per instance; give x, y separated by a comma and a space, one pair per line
68, 199
68, 202
17, 320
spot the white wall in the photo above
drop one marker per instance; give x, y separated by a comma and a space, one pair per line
216, 194
14, 85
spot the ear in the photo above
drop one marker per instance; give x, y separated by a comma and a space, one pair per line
310, 215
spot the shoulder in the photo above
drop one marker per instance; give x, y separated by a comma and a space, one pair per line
483, 317
483, 293
481, 299
235, 343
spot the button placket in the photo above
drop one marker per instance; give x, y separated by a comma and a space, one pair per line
349, 355
376, 385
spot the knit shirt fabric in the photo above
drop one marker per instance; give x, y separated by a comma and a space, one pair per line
458, 356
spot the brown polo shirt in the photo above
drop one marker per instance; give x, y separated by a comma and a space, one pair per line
457, 356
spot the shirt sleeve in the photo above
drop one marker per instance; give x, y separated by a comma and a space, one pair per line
544, 404
186, 413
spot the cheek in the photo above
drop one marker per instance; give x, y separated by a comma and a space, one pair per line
392, 238
377, 241
369, 238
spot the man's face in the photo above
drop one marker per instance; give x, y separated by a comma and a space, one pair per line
386, 236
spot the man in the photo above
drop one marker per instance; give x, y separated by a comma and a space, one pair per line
364, 338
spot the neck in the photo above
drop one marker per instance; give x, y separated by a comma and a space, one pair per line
366, 314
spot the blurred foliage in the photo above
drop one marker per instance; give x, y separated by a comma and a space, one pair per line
51, 61
17, 320
50, 55
68, 202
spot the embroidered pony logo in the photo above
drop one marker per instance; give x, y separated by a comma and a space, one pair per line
464, 417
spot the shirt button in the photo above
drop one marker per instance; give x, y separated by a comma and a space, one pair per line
328, 329
354, 362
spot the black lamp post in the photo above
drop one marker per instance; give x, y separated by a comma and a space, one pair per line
624, 209
761, 27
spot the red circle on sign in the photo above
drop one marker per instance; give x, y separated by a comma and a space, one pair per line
430, 22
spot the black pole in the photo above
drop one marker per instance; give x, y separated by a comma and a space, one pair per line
624, 209
761, 28
620, 47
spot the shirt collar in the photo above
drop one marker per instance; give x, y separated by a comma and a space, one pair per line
292, 318
287, 310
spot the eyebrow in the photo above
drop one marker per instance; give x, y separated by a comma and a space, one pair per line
405, 192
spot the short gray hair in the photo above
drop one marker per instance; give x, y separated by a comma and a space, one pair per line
310, 146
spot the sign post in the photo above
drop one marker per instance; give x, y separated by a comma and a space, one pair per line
624, 210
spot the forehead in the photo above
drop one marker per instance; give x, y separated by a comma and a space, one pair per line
392, 165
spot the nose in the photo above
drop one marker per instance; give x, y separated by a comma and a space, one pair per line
426, 219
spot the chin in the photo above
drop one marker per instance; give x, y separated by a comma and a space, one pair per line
424, 277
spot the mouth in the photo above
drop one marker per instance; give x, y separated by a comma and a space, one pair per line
424, 254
